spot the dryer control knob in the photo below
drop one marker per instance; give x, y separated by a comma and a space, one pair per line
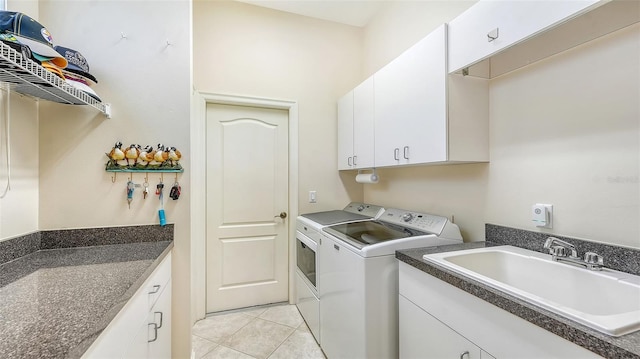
407, 217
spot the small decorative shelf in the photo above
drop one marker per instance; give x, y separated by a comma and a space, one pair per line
29, 78
148, 170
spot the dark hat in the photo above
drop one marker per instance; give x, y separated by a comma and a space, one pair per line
30, 33
76, 63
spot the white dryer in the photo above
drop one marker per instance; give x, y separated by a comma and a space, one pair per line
359, 276
308, 234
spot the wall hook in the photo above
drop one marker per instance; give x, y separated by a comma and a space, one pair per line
113, 178
123, 35
176, 181
168, 42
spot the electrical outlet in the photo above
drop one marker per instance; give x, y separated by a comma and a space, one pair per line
312, 196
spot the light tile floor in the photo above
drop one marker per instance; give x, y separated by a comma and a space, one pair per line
277, 332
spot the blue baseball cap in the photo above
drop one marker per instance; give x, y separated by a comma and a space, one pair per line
76, 63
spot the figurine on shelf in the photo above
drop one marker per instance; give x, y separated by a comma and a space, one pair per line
161, 155
116, 156
174, 156
135, 158
132, 153
146, 156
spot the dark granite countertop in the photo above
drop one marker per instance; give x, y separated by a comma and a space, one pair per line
55, 302
627, 346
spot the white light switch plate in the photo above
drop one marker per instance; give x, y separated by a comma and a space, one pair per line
312, 197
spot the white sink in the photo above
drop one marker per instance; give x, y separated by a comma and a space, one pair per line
607, 300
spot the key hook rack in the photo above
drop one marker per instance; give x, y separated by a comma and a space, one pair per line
114, 176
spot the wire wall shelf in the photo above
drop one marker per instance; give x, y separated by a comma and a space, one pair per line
29, 78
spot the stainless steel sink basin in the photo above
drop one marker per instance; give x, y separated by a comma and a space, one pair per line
607, 300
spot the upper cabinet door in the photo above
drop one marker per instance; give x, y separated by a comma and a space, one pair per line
489, 27
411, 105
345, 132
363, 125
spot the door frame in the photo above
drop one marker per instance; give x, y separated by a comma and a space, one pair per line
199, 102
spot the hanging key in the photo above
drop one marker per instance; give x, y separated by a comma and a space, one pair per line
130, 187
175, 191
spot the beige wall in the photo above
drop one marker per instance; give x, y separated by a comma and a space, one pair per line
247, 50
148, 85
400, 24
564, 131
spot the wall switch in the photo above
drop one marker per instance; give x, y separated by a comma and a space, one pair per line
542, 215
312, 196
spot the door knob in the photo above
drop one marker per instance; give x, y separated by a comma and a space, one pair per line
282, 215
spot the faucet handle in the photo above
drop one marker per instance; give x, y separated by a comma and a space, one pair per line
593, 258
558, 251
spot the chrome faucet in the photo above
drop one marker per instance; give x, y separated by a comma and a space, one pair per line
558, 250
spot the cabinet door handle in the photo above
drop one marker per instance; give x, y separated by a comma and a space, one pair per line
349, 161
466, 352
354, 160
396, 154
155, 332
154, 317
406, 152
155, 289
493, 34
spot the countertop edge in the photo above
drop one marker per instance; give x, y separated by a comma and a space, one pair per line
80, 349
609, 347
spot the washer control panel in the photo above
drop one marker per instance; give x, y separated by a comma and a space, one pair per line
415, 220
364, 209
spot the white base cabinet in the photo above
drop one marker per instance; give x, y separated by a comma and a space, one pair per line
142, 329
439, 319
423, 336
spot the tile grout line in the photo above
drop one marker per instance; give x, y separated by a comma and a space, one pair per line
279, 345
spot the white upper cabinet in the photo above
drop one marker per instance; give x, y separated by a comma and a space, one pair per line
425, 116
363, 128
411, 105
491, 26
345, 132
512, 34
355, 128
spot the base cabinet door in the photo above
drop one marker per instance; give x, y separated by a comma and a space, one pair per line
423, 336
142, 329
159, 326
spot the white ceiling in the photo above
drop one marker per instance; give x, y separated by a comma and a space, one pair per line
350, 12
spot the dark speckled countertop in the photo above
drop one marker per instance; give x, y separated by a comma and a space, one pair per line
55, 302
627, 346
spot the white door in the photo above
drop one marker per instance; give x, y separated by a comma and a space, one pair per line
247, 191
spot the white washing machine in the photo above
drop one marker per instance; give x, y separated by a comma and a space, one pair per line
308, 234
359, 276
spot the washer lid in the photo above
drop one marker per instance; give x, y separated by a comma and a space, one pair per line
361, 234
333, 217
